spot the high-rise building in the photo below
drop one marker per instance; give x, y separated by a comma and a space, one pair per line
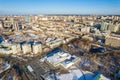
116, 29
16, 48
1, 24
12, 20
37, 48
26, 48
104, 26
15, 26
27, 18
109, 26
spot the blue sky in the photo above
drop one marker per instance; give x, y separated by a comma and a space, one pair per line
60, 7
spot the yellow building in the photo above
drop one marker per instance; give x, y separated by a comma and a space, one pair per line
116, 28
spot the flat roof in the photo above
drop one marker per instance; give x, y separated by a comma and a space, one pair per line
57, 56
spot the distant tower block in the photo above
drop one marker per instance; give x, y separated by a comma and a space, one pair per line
1, 25
37, 48
26, 48
16, 48
16, 26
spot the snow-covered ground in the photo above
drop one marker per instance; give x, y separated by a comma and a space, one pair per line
76, 75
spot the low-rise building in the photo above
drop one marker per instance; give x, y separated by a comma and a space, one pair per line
69, 39
112, 41
85, 29
60, 58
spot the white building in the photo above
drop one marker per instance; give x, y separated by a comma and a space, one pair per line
5, 51
37, 48
87, 37
43, 18
54, 45
1, 26
26, 48
69, 39
16, 48
58, 58
85, 29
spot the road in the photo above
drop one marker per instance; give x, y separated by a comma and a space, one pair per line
40, 68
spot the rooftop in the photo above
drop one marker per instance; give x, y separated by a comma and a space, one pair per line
58, 57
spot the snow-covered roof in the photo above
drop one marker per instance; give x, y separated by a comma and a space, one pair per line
76, 75
59, 57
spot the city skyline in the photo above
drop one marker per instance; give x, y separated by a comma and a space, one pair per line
92, 7
59, 40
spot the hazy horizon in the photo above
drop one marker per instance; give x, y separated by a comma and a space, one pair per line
41, 7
